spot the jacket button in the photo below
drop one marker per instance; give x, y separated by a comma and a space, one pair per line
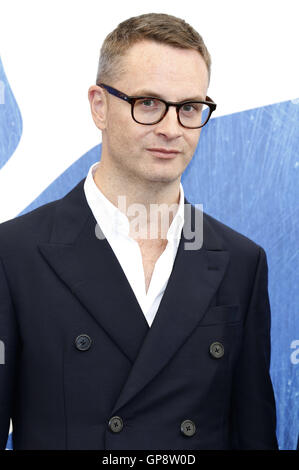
188, 428
217, 350
116, 424
83, 342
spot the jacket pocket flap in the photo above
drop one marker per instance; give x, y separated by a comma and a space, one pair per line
222, 314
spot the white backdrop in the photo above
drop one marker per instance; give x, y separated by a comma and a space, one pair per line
50, 50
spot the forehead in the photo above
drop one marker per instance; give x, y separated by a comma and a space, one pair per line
170, 71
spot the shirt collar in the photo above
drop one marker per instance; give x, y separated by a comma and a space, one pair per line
112, 220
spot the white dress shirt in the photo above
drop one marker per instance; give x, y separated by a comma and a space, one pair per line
115, 227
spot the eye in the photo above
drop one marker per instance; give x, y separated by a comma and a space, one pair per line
149, 103
189, 107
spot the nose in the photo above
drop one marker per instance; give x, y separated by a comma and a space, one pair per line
169, 126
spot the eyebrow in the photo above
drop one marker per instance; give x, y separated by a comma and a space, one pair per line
144, 92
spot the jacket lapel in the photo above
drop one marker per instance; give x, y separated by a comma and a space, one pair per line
88, 266
85, 264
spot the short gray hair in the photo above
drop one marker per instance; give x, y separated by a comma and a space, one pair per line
159, 27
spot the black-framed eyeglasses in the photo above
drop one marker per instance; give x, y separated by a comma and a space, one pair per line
150, 110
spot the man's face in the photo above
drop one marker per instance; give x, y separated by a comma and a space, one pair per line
159, 70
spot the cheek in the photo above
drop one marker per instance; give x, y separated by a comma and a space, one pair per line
193, 139
130, 133
124, 135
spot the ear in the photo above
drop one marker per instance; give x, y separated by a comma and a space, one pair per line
98, 106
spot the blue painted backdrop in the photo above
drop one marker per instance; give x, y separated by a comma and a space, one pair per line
245, 173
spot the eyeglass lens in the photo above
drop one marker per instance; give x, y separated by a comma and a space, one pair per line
149, 111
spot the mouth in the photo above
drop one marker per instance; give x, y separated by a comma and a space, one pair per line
163, 153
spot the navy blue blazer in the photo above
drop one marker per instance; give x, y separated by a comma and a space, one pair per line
198, 378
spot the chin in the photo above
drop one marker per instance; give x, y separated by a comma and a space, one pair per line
163, 176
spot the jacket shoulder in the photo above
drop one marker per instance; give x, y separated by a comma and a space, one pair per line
27, 227
25, 231
232, 239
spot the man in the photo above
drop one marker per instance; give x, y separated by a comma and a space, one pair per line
115, 339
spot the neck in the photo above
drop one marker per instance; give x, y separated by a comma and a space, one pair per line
151, 205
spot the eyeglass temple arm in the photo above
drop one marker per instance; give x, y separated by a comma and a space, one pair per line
114, 92
211, 102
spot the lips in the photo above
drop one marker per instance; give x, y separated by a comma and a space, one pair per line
161, 150
164, 153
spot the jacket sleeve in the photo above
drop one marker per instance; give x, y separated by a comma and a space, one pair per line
8, 356
253, 402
